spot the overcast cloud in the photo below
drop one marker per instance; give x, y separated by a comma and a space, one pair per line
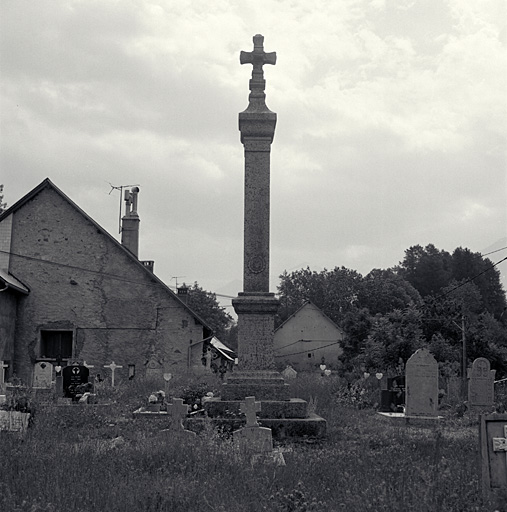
392, 122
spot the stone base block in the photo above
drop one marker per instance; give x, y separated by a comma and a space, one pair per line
292, 408
262, 384
415, 421
264, 391
313, 426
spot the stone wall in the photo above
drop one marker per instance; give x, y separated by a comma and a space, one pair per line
80, 279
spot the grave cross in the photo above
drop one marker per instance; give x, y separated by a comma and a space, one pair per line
177, 411
88, 365
3, 366
258, 58
500, 443
249, 408
113, 367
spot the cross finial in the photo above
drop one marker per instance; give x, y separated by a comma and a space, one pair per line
258, 58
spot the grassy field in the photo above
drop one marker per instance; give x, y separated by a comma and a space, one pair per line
88, 458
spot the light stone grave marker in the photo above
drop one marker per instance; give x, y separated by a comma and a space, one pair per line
154, 368
42, 375
3, 366
253, 441
177, 412
289, 373
421, 381
481, 392
113, 366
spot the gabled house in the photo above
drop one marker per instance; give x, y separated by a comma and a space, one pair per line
70, 291
308, 339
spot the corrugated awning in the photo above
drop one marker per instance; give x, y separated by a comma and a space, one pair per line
9, 281
223, 349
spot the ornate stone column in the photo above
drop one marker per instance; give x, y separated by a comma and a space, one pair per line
256, 306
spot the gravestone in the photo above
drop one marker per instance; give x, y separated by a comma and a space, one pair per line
42, 375
454, 388
73, 376
113, 366
493, 454
393, 398
154, 368
252, 439
3, 366
14, 421
289, 373
421, 381
481, 392
177, 412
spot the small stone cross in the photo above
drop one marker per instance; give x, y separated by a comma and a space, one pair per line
249, 408
113, 367
177, 411
3, 366
500, 443
258, 58
88, 365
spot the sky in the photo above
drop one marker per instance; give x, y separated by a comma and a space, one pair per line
391, 128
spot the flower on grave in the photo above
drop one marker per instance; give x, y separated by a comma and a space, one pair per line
207, 397
158, 397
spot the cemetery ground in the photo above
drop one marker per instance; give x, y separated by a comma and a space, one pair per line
96, 458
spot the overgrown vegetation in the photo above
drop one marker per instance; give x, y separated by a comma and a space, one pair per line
83, 458
432, 299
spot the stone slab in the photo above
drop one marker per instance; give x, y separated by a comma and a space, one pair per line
422, 421
292, 408
313, 426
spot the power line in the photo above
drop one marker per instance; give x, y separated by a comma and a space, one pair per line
471, 279
311, 350
493, 252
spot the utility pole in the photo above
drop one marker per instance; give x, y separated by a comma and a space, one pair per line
464, 357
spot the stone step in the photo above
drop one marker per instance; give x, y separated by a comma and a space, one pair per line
266, 390
292, 408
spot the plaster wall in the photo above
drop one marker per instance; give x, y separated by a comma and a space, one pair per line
81, 280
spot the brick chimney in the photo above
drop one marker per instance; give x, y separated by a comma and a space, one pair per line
130, 223
183, 293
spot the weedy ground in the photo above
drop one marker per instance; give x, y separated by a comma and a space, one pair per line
93, 459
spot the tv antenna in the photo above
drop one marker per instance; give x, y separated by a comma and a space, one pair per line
120, 188
176, 278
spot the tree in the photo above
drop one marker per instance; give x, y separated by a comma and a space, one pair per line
427, 269
383, 291
3, 205
333, 291
468, 265
206, 306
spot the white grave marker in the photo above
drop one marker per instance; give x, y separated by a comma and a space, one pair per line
113, 367
42, 375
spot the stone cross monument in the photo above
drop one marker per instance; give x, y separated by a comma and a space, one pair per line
256, 306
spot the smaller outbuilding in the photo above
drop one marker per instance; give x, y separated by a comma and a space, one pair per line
308, 339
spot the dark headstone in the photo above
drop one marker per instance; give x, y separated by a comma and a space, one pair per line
393, 398
74, 376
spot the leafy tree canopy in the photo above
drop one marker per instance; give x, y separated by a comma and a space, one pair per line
205, 304
3, 205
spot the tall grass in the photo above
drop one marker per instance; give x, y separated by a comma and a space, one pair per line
100, 458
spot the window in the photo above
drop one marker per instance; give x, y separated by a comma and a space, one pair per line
56, 343
310, 355
184, 323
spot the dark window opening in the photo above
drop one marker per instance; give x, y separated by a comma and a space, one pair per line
310, 355
184, 323
56, 344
